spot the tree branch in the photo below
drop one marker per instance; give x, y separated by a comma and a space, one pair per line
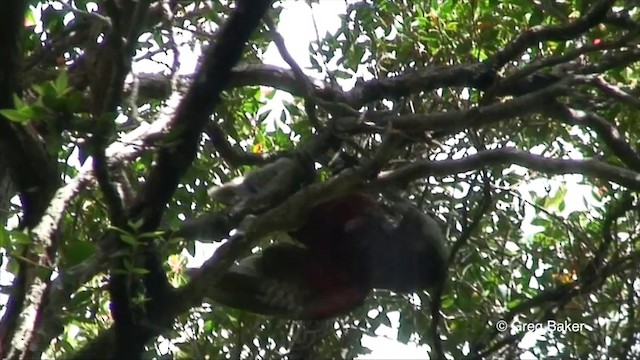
529, 38
606, 131
192, 114
505, 157
32, 171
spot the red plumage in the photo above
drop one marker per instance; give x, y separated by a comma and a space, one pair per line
348, 248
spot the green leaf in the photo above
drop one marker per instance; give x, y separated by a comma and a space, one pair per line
513, 303
81, 298
62, 83
18, 116
129, 239
30, 18
447, 302
140, 271
17, 102
46, 90
19, 238
451, 26
541, 222
381, 319
39, 111
404, 329
191, 248
79, 251
556, 201
119, 272
4, 238
208, 326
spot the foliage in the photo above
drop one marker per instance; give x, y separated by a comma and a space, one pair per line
499, 102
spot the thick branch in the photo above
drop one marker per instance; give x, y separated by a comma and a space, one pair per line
32, 171
68, 282
537, 34
196, 108
466, 75
607, 132
192, 114
505, 157
453, 121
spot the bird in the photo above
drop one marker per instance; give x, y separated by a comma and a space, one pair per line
347, 247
